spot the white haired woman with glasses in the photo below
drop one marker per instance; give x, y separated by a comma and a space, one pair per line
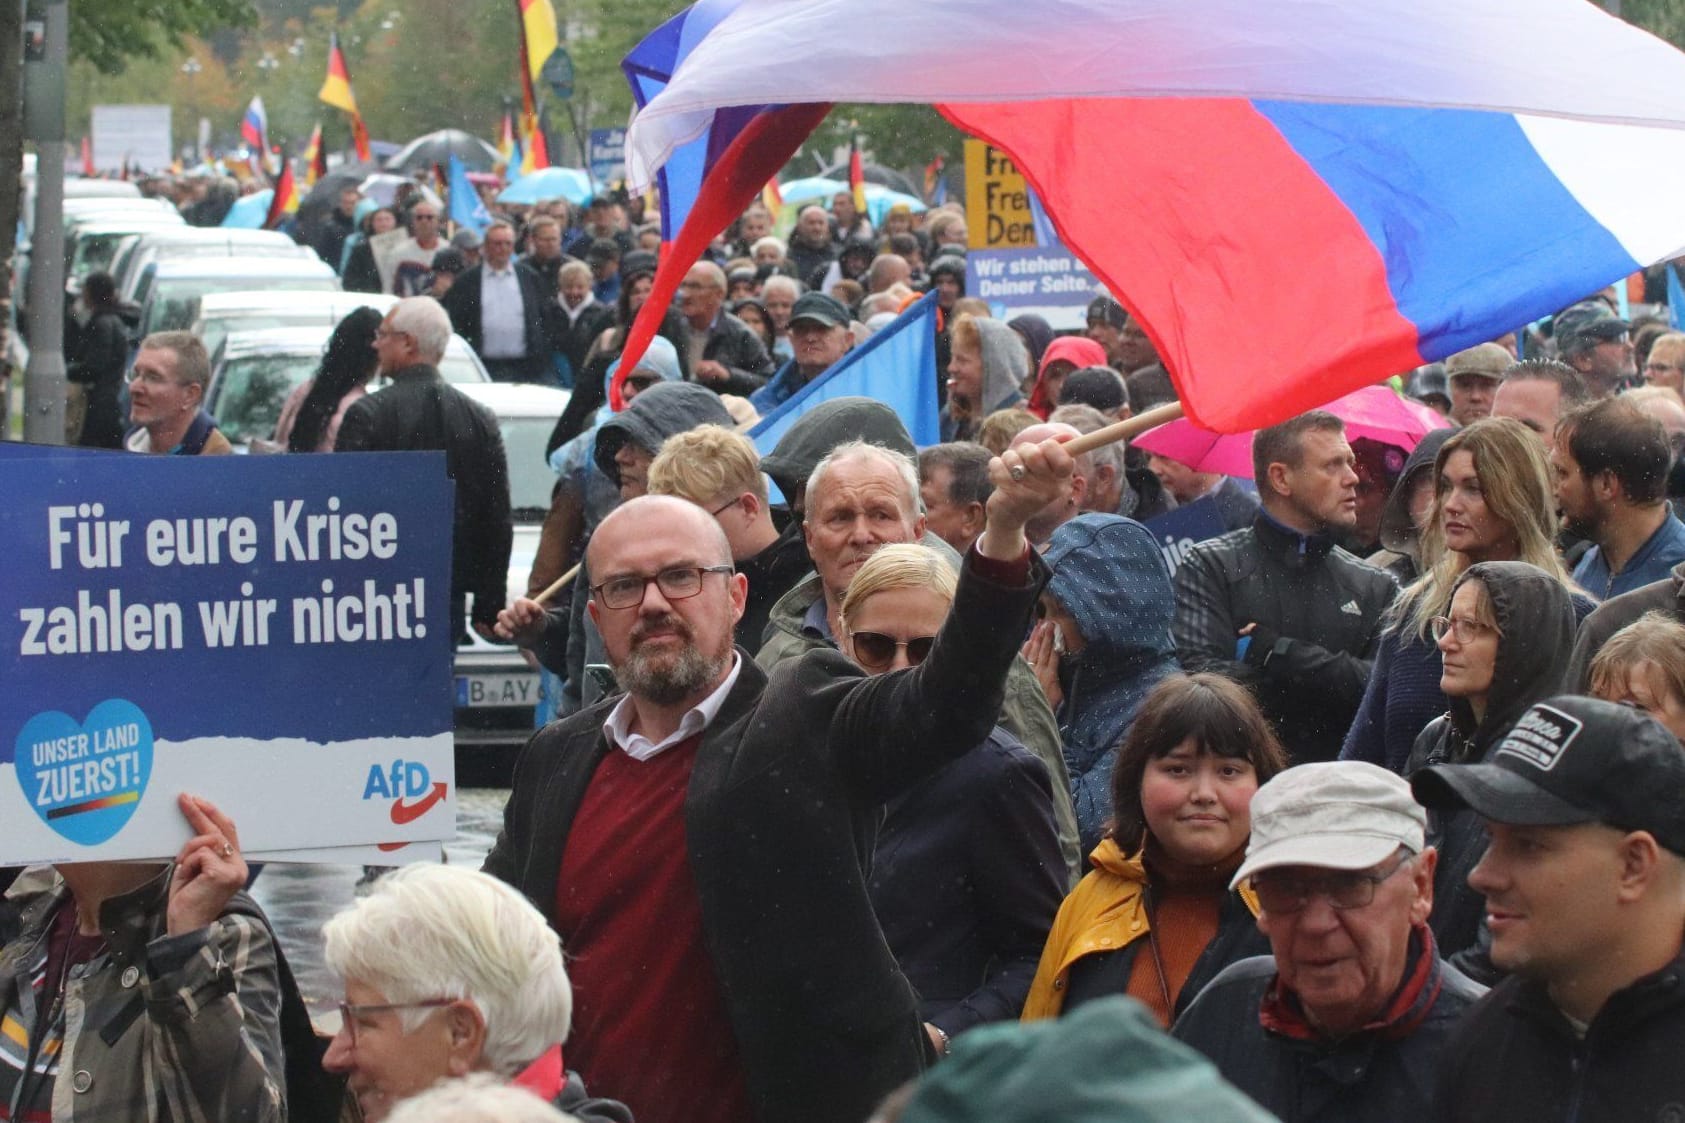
448, 972
967, 874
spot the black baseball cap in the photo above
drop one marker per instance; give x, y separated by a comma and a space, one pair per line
1572, 760
1585, 325
821, 309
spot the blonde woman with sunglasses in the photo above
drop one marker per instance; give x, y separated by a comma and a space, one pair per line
967, 874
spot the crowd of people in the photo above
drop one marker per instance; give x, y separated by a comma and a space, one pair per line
884, 774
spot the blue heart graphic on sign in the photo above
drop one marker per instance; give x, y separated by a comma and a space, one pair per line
85, 779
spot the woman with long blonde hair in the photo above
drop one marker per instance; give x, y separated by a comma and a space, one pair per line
1493, 501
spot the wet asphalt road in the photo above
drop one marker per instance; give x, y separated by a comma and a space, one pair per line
299, 899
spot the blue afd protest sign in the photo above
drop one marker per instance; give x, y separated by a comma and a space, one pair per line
608, 156
1051, 282
1179, 530
272, 633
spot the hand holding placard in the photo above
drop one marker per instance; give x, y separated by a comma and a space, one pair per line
209, 869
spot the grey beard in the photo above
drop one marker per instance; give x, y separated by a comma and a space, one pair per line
673, 682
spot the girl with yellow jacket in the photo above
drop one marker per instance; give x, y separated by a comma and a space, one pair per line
1155, 918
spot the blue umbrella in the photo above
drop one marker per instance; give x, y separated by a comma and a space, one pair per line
249, 211
880, 198
549, 183
807, 190
816, 188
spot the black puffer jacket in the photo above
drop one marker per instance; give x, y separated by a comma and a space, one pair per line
1516, 1057
734, 345
1318, 616
1536, 620
420, 411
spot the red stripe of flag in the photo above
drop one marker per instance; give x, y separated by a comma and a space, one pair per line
1184, 168
764, 146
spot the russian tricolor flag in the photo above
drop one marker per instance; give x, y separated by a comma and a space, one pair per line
254, 127
1297, 198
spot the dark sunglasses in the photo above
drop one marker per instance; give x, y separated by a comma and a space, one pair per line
874, 649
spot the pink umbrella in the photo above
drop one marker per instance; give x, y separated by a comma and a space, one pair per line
1375, 412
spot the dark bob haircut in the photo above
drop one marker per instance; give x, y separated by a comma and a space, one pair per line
1220, 716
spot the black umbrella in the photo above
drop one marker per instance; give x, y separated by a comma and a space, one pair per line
324, 193
877, 173
437, 148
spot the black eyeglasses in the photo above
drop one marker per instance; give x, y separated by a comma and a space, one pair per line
679, 583
1287, 893
875, 650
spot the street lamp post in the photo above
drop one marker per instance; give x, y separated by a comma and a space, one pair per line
191, 68
45, 62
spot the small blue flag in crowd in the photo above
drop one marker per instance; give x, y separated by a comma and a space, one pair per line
897, 366
466, 206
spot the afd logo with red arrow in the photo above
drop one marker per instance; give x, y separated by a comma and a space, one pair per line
408, 785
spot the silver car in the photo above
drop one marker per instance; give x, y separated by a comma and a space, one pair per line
253, 372
497, 685
173, 288
130, 265
221, 313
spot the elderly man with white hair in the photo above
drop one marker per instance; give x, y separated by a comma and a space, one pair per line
450, 972
860, 497
1348, 1018
725, 353
421, 411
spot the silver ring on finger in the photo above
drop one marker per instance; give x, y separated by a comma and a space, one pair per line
227, 850
1018, 472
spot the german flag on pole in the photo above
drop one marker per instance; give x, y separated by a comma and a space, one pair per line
285, 201
856, 176
360, 139
336, 91
315, 157
336, 88
538, 29
535, 153
506, 148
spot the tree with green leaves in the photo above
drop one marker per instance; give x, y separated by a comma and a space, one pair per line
109, 33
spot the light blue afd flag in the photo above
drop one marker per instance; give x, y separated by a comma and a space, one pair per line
466, 206
897, 366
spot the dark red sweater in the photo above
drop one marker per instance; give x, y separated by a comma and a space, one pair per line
649, 1023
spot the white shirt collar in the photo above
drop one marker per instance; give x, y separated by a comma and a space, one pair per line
1213, 489
618, 727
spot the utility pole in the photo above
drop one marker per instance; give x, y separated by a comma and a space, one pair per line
11, 172
46, 59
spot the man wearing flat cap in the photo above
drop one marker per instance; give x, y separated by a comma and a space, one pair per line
1596, 343
1585, 897
1348, 1018
1473, 377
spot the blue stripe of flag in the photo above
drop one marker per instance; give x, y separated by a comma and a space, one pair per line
1455, 202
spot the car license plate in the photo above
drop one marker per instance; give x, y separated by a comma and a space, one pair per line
496, 690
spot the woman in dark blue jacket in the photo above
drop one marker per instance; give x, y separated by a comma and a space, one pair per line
967, 874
